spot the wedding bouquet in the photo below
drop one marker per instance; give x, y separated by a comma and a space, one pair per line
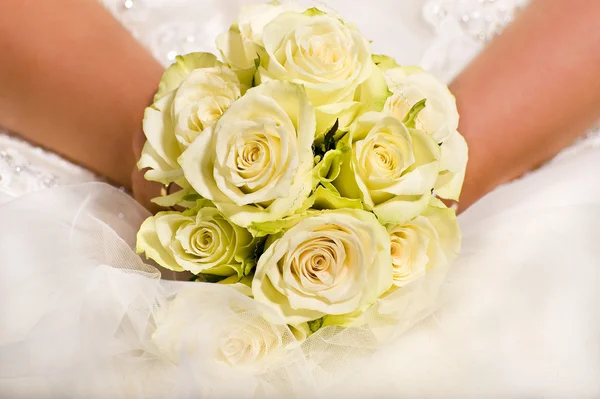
310, 173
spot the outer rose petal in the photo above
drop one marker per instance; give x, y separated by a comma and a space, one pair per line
440, 116
443, 219
162, 149
180, 69
401, 209
197, 163
453, 164
148, 242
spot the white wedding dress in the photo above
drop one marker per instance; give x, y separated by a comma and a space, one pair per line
519, 315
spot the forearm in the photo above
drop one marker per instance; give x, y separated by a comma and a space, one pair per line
75, 82
530, 93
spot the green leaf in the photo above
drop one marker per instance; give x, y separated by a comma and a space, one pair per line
329, 198
328, 168
326, 142
412, 115
315, 325
199, 204
254, 74
343, 320
192, 197
177, 198
312, 12
384, 62
330, 136
271, 228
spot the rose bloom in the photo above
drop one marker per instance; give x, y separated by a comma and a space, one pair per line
193, 94
327, 56
201, 241
439, 119
391, 168
243, 43
332, 263
216, 333
428, 242
256, 164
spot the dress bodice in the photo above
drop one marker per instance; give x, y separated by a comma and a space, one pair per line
440, 35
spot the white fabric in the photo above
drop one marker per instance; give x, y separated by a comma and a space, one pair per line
521, 312
78, 308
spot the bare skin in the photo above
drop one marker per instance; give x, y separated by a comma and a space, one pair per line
531, 93
77, 83
73, 80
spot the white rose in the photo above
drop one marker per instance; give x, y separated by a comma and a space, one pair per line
390, 168
439, 118
409, 86
199, 241
333, 263
220, 334
242, 44
252, 342
426, 243
256, 164
330, 58
193, 95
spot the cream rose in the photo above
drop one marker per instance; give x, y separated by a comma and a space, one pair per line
199, 241
222, 332
252, 342
409, 85
428, 242
333, 263
390, 168
242, 44
193, 95
439, 118
330, 58
256, 164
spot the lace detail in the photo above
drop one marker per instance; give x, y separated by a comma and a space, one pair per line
462, 29
25, 168
172, 27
